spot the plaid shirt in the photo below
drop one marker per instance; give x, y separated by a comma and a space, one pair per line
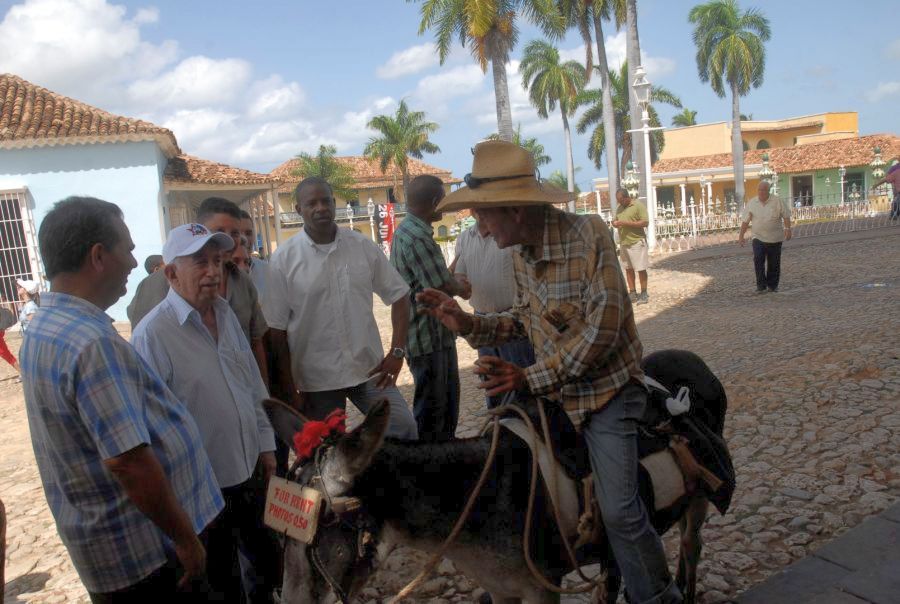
571, 301
90, 397
418, 259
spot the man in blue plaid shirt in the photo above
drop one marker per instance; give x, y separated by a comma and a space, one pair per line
120, 458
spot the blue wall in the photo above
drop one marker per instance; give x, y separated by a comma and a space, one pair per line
127, 174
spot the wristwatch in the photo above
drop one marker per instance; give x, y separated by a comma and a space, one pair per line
398, 353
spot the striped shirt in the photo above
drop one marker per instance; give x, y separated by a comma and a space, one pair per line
90, 397
571, 302
418, 259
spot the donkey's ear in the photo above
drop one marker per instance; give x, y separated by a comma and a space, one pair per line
359, 446
284, 419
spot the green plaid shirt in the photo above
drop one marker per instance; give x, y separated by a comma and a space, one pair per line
571, 302
418, 259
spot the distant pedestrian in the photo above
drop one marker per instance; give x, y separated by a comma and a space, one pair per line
489, 271
7, 320
120, 458
631, 220
764, 215
30, 299
431, 347
153, 263
893, 177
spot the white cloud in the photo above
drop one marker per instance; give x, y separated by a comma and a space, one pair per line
409, 61
454, 82
893, 50
195, 82
272, 98
882, 91
657, 67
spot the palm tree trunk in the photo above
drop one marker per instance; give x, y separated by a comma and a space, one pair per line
501, 96
633, 54
737, 147
570, 161
626, 154
609, 117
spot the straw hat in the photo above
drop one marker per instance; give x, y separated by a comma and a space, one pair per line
502, 175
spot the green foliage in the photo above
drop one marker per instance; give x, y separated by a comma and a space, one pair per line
593, 116
534, 147
730, 48
549, 82
324, 165
685, 118
403, 135
559, 179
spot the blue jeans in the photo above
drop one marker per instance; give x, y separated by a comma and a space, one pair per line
767, 263
436, 400
518, 352
611, 437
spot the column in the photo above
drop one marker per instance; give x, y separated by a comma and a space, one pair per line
683, 199
272, 196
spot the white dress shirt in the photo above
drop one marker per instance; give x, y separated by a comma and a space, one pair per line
321, 295
488, 268
219, 382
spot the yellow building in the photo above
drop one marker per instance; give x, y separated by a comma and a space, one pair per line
372, 188
807, 155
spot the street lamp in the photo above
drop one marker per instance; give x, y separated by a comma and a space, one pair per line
878, 165
371, 208
642, 88
630, 182
842, 171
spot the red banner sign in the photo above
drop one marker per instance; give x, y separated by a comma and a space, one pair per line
386, 224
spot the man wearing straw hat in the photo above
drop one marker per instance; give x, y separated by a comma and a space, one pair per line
571, 300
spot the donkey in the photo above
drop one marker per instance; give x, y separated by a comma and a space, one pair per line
412, 493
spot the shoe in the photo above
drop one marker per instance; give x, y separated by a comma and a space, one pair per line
642, 298
761, 291
773, 289
633, 296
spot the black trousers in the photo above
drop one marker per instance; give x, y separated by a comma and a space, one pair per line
767, 262
240, 526
436, 399
159, 586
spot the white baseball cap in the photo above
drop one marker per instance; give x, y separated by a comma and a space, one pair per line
32, 287
189, 238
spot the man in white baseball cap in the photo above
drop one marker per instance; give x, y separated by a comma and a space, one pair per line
194, 342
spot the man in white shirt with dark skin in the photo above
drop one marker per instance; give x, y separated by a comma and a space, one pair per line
194, 342
766, 215
318, 305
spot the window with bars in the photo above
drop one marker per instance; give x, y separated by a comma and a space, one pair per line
18, 243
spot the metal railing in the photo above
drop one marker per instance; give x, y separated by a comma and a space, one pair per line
341, 214
695, 230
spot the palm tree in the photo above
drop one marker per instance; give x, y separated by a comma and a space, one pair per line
584, 14
593, 116
731, 54
633, 57
551, 83
403, 135
489, 29
531, 144
324, 165
561, 180
747, 118
685, 118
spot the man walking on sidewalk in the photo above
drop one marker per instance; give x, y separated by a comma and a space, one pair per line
631, 220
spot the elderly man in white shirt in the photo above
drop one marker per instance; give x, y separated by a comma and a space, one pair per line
764, 215
318, 305
489, 270
194, 342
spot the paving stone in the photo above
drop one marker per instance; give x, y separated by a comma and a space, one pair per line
799, 581
879, 584
868, 545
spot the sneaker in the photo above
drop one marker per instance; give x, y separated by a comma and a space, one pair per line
633, 296
642, 298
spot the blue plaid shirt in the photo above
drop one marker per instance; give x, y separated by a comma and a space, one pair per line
90, 397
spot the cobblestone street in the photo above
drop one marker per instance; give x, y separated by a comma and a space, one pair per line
813, 381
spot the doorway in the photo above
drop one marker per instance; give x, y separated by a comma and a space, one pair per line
802, 190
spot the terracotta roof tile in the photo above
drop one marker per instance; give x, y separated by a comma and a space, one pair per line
367, 173
189, 169
801, 158
32, 116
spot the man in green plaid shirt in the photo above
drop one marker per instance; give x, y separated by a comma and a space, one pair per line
431, 347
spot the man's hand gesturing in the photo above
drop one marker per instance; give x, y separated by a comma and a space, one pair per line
437, 304
499, 376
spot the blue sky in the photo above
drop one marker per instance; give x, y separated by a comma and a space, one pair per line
254, 83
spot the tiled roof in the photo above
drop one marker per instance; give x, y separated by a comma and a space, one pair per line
366, 172
34, 116
193, 170
801, 158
